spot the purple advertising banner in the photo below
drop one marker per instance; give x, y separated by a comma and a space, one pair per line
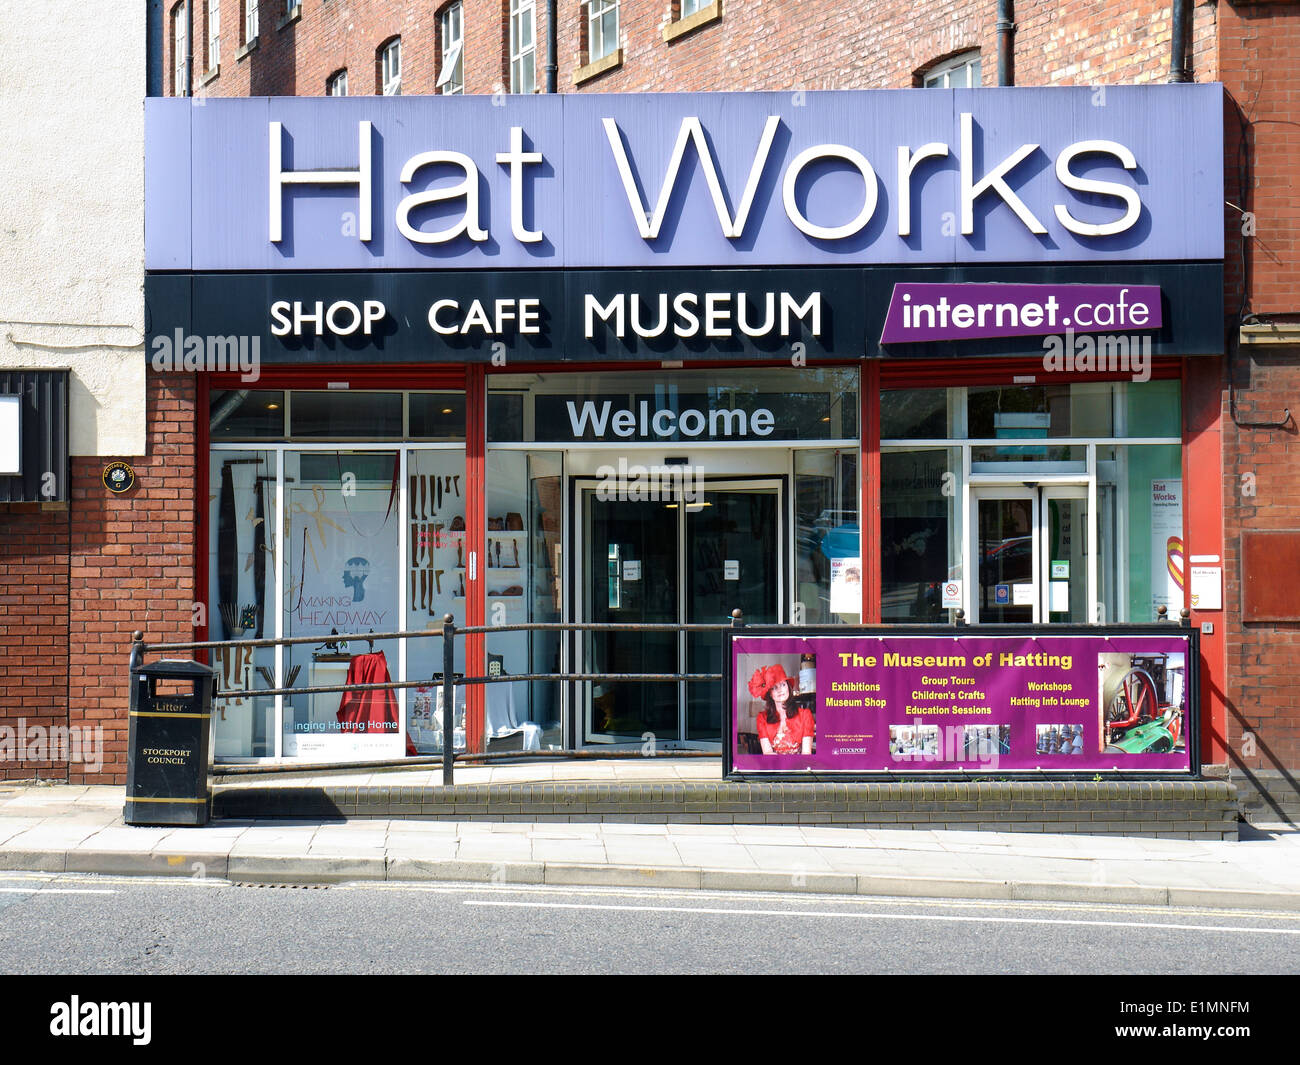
919, 313
870, 703
885, 176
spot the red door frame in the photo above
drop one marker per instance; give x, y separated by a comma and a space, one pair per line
360, 377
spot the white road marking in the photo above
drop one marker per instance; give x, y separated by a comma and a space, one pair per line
829, 900
36, 890
880, 916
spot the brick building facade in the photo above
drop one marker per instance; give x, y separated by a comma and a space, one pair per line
752, 46
734, 46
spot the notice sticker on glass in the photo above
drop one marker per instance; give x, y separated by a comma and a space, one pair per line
1060, 571
1022, 595
731, 569
846, 586
1207, 587
951, 594
632, 570
1059, 594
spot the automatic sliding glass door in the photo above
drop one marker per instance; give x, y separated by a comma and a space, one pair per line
691, 556
1030, 548
630, 549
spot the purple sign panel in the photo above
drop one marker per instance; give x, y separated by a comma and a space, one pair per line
877, 702
989, 175
919, 313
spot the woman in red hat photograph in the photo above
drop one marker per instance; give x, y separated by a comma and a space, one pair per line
785, 727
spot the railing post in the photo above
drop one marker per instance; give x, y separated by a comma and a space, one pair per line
448, 701
1162, 613
137, 650
959, 618
737, 618
1185, 618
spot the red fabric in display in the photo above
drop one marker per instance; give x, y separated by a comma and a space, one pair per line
372, 711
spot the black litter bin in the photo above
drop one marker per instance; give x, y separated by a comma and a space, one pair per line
167, 758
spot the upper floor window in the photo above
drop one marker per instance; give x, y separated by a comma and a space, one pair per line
602, 29
451, 70
214, 34
523, 46
337, 84
180, 46
687, 16
291, 7
250, 20
390, 68
959, 72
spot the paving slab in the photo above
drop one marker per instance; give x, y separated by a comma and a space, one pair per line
51, 829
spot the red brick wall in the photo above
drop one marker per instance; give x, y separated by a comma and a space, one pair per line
132, 567
33, 628
753, 46
1259, 51
1259, 47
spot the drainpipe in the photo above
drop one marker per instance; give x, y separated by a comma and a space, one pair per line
1006, 46
552, 67
189, 47
1178, 44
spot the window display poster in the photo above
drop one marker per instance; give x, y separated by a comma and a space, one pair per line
1167, 569
343, 578
343, 559
846, 585
934, 702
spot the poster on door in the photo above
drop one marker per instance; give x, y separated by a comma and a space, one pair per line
846, 586
1167, 567
1069, 701
343, 581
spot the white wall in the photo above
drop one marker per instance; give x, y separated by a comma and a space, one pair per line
72, 84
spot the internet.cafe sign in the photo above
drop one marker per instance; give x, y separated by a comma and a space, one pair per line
873, 701
691, 179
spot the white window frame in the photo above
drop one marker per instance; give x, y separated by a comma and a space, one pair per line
250, 20
390, 67
597, 10
519, 9
290, 6
180, 46
940, 75
214, 34
692, 7
451, 71
337, 80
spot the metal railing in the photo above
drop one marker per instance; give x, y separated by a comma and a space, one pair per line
448, 633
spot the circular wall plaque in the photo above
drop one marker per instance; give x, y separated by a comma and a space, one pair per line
119, 477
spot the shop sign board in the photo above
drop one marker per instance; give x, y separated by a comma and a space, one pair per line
685, 179
214, 321
1062, 700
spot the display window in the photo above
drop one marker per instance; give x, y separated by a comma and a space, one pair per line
334, 513
1032, 504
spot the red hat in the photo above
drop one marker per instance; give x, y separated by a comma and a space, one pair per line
766, 678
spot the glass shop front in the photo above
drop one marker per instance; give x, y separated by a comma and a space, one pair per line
651, 496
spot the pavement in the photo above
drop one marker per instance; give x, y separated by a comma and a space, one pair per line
74, 828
